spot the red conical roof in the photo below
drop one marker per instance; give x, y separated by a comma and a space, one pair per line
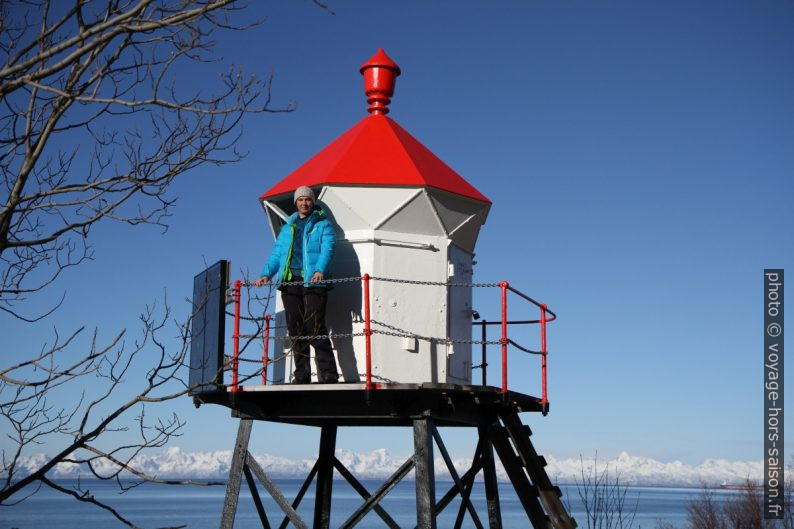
376, 152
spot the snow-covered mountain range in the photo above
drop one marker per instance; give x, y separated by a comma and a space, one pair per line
632, 470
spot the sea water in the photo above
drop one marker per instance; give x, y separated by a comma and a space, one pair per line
154, 505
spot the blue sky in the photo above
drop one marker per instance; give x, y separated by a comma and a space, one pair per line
639, 160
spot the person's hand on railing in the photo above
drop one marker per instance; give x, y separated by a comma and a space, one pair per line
262, 281
317, 277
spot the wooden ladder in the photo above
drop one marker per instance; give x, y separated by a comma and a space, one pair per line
527, 472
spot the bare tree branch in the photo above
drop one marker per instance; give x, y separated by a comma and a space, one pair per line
30, 405
604, 496
99, 115
86, 497
96, 125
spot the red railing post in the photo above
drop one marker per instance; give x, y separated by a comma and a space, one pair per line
503, 285
367, 331
265, 356
236, 336
544, 396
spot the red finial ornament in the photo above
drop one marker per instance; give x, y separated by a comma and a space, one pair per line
380, 74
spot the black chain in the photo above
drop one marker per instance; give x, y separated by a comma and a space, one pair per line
402, 333
375, 278
434, 283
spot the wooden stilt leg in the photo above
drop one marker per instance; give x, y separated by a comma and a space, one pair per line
491, 486
325, 474
425, 476
236, 474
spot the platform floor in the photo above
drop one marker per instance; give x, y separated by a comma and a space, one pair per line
350, 404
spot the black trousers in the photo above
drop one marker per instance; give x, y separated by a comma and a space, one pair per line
305, 311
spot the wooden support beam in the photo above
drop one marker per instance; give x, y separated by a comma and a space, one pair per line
276, 494
465, 494
424, 475
379, 494
260, 508
236, 474
464, 490
468, 477
325, 477
364, 493
489, 476
297, 501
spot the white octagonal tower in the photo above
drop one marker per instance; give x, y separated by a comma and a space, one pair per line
402, 215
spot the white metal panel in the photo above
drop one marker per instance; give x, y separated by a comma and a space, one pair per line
275, 216
459, 317
413, 309
371, 204
453, 211
417, 216
466, 234
341, 212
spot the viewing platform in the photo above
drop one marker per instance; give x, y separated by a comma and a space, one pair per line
352, 404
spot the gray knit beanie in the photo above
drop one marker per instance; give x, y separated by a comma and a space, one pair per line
303, 191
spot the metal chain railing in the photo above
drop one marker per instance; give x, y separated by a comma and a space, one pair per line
329, 281
402, 333
262, 370
390, 330
434, 283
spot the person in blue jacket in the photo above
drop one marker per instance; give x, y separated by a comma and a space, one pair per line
301, 256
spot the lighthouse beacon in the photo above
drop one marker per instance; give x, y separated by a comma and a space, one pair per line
409, 221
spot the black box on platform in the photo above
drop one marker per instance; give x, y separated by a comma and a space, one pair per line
207, 329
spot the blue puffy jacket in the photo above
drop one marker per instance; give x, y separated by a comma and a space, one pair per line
319, 240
